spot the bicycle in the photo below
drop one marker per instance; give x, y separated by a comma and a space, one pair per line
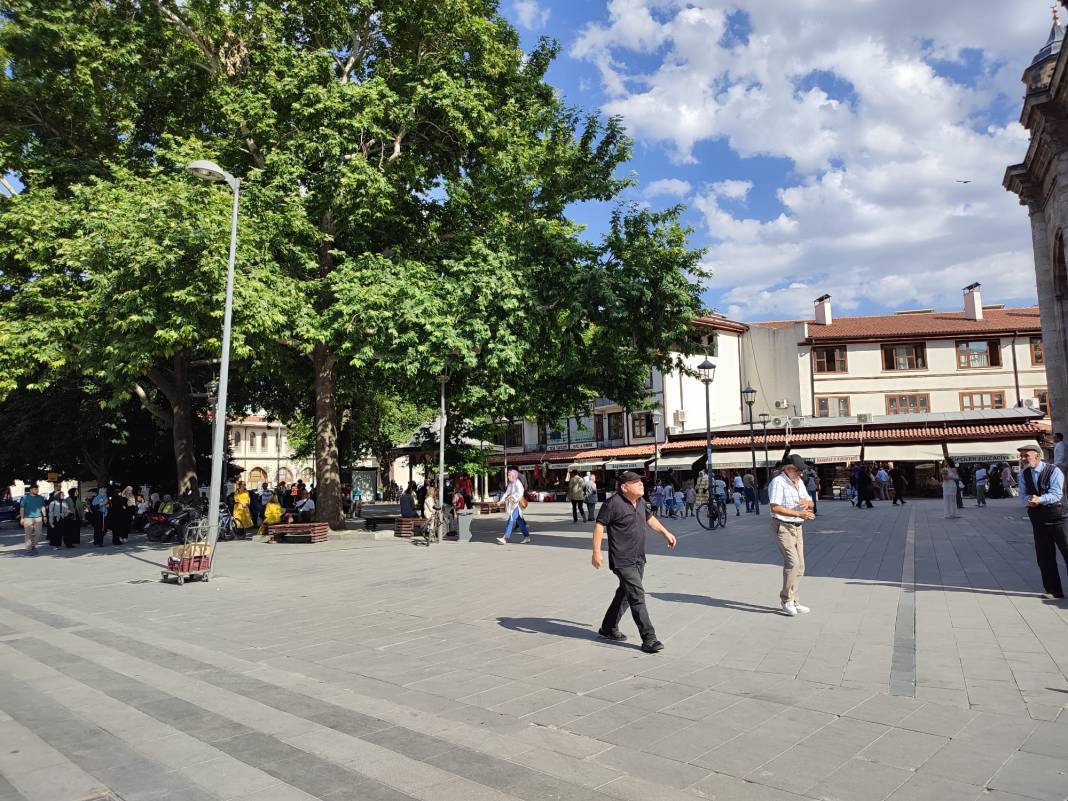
434, 530
711, 516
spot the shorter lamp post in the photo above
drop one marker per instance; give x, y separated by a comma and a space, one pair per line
764, 418
657, 417
749, 396
443, 379
707, 369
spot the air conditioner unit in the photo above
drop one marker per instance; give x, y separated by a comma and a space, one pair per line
779, 422
795, 421
782, 404
864, 418
680, 418
1030, 403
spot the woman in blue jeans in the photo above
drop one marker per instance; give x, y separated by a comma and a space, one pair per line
512, 495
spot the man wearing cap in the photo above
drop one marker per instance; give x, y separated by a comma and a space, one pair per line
627, 517
1042, 488
790, 506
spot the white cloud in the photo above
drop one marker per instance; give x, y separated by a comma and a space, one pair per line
530, 14
670, 187
877, 139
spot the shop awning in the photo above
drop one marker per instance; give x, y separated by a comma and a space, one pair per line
830, 455
625, 464
585, 465
988, 452
733, 460
677, 462
926, 452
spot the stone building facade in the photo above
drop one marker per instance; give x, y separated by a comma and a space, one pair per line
1041, 182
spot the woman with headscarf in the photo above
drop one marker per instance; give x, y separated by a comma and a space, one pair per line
72, 533
272, 514
950, 477
513, 496
242, 509
98, 513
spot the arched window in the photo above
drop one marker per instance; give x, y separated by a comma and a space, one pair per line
263, 441
252, 441
237, 438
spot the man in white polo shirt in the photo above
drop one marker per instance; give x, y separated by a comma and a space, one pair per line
790, 506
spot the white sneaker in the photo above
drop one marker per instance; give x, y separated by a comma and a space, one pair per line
804, 610
502, 540
789, 609
524, 541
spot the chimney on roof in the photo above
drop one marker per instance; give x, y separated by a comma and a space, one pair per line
973, 302
823, 310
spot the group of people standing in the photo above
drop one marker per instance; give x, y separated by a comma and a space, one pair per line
877, 482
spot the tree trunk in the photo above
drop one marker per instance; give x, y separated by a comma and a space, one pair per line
327, 459
174, 384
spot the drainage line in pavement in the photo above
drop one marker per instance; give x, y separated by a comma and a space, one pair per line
903, 663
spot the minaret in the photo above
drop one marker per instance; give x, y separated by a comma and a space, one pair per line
1039, 74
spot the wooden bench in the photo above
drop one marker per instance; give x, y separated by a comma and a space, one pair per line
408, 526
299, 532
489, 507
372, 522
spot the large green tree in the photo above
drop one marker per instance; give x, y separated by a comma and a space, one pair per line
407, 173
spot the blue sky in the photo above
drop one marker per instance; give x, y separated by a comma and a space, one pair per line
820, 150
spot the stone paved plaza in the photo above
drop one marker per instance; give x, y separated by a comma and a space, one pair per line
930, 669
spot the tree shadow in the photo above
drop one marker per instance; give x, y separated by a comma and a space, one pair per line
556, 628
721, 603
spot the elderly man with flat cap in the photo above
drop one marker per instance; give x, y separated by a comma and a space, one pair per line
627, 517
790, 506
1042, 489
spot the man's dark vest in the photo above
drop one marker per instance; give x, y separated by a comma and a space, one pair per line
1049, 514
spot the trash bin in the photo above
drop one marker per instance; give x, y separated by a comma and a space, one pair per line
463, 521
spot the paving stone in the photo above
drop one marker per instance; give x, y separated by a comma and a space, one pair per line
934, 788
652, 768
860, 780
902, 748
1033, 776
728, 788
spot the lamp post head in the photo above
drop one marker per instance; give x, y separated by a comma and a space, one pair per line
210, 171
749, 395
765, 417
707, 369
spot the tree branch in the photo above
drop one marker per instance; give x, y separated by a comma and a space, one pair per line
162, 415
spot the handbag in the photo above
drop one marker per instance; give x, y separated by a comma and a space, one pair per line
523, 502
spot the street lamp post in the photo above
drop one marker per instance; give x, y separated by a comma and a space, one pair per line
443, 379
764, 418
749, 396
657, 417
707, 369
210, 171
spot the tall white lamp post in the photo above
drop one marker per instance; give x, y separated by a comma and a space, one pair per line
210, 171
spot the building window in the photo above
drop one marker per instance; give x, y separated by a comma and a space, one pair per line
652, 379
641, 425
832, 407
905, 404
981, 400
514, 436
1038, 356
906, 356
237, 439
615, 425
830, 360
252, 441
598, 427
1042, 400
263, 441
979, 353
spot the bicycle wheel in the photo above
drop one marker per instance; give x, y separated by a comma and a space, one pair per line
722, 509
704, 518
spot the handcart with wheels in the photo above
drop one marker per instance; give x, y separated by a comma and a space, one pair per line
191, 559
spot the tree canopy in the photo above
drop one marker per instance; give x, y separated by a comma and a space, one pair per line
407, 177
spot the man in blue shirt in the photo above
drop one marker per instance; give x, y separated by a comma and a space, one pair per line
1042, 489
31, 517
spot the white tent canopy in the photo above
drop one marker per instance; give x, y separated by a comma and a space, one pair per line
726, 460
925, 452
673, 462
830, 455
988, 452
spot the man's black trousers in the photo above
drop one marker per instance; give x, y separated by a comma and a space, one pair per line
1050, 537
630, 593
577, 508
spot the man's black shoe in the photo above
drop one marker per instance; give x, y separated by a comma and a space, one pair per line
618, 636
653, 647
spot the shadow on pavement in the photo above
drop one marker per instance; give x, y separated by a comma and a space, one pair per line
556, 628
722, 603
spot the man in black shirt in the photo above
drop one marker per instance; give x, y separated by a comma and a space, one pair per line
627, 517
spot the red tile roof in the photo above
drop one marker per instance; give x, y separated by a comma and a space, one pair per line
933, 433
721, 323
928, 325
